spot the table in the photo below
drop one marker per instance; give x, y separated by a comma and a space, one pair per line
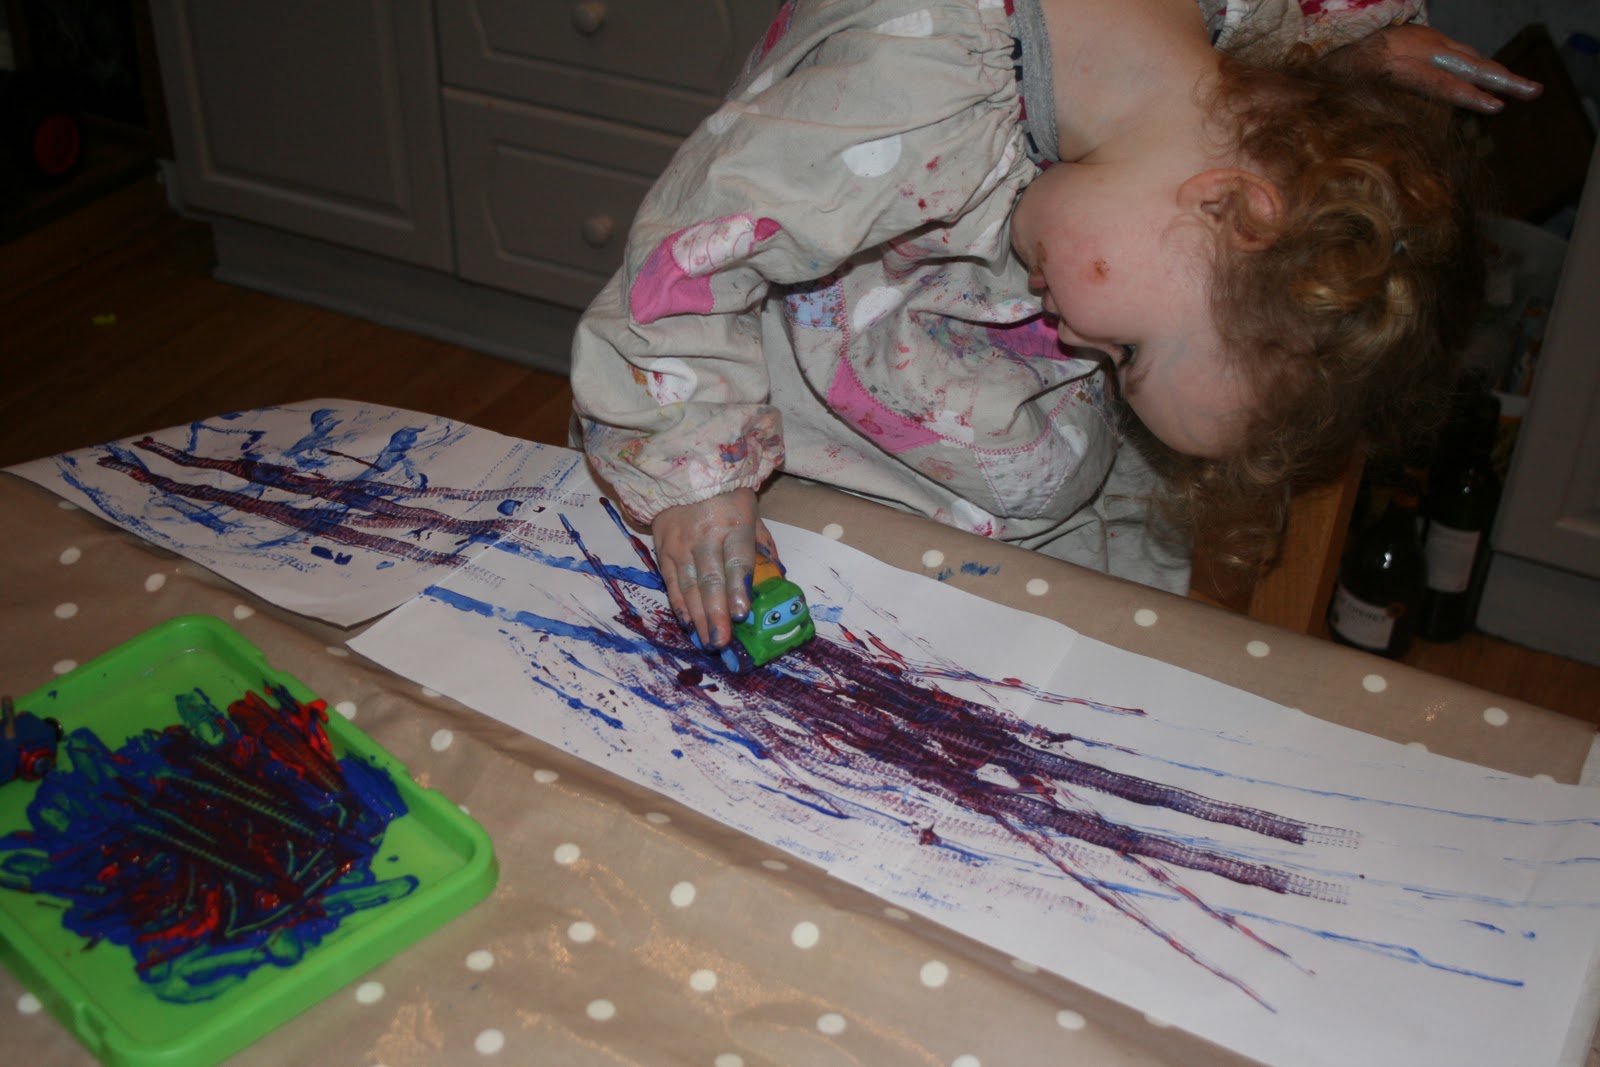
628, 929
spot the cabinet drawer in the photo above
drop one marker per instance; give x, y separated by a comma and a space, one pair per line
543, 200
660, 65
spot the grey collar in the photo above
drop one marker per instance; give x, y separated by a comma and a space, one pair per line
1036, 84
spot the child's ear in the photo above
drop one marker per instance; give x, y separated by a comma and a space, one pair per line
1239, 203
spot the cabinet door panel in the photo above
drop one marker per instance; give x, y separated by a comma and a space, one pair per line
318, 118
653, 64
543, 200
1551, 510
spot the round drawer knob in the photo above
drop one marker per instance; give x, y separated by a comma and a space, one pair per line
588, 16
597, 230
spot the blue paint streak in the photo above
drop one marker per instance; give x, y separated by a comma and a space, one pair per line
831, 613
637, 576
593, 635
1386, 949
578, 705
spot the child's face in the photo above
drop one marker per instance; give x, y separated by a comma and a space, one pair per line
1122, 267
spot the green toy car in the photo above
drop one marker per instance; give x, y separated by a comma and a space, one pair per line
779, 621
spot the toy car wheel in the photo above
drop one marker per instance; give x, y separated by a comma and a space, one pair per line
736, 659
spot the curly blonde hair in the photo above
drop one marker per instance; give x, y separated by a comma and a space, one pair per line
1347, 309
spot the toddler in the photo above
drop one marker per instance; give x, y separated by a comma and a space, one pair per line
871, 268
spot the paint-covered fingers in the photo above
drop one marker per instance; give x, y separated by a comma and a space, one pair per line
1427, 62
1471, 81
766, 547
705, 551
738, 568
709, 601
677, 579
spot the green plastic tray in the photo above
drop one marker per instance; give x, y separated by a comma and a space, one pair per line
94, 991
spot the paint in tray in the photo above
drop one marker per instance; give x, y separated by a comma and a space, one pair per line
214, 853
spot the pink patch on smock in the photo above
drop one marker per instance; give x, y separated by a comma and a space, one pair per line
891, 432
675, 280
1310, 8
775, 32
1031, 339
662, 289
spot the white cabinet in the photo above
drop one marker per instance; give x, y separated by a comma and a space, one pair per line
1543, 588
542, 198
465, 168
560, 115
652, 64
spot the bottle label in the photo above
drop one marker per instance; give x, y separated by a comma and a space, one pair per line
1368, 625
1450, 554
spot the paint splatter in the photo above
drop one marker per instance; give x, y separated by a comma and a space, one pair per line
219, 845
350, 508
851, 716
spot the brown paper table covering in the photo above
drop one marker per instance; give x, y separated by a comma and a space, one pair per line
627, 929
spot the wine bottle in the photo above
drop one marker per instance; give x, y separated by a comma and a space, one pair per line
1463, 494
1381, 581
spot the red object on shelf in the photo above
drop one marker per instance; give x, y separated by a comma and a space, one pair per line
57, 144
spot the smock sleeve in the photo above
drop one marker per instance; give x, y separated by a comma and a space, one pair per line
1277, 25
822, 152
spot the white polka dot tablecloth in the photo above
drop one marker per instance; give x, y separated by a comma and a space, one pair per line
621, 928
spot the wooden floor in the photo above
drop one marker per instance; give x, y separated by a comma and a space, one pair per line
110, 324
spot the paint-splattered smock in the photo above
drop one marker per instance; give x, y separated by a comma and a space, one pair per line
822, 282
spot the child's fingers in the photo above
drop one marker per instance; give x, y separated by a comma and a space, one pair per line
1460, 94
739, 561
679, 581
765, 545
1487, 74
1471, 81
706, 552
711, 584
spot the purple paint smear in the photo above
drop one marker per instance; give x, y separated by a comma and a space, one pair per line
351, 508
861, 715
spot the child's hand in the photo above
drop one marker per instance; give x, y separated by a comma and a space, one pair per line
1427, 62
706, 552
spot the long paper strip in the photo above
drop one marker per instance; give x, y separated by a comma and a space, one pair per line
327, 507
1297, 891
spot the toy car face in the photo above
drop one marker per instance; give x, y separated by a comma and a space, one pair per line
779, 621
